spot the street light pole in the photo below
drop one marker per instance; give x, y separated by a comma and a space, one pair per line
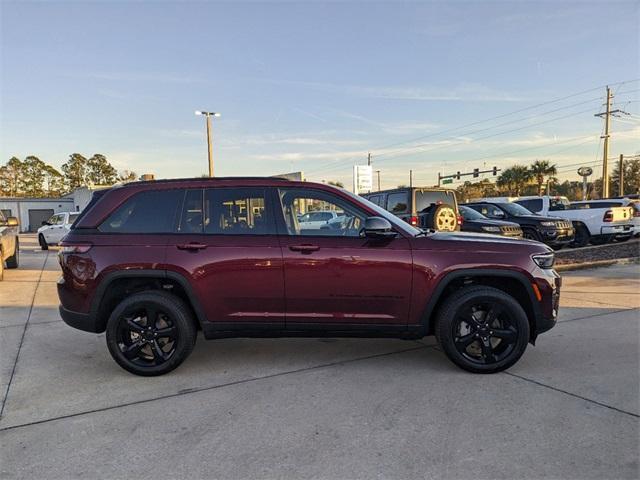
208, 116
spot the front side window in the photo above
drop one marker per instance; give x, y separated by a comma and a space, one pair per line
72, 218
318, 213
487, 210
398, 202
237, 211
152, 211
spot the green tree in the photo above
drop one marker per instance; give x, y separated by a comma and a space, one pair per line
10, 178
473, 190
127, 176
33, 173
54, 182
75, 171
513, 180
541, 169
631, 177
100, 171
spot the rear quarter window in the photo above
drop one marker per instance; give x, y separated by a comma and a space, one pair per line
152, 211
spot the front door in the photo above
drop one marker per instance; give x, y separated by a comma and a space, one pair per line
332, 274
226, 246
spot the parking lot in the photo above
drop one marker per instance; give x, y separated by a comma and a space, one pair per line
321, 408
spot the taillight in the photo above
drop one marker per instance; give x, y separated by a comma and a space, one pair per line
608, 216
414, 221
76, 248
459, 220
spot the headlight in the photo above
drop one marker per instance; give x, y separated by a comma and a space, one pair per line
548, 224
491, 229
544, 260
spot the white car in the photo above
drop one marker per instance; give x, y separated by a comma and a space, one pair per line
316, 220
614, 203
52, 231
595, 221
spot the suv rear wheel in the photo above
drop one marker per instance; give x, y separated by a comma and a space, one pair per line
482, 329
150, 333
43, 242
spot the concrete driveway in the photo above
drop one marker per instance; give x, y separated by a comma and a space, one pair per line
330, 408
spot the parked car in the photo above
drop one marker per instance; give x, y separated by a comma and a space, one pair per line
316, 219
473, 221
621, 215
9, 243
426, 208
229, 256
594, 221
553, 231
52, 231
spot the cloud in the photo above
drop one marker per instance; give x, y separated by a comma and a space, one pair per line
467, 92
142, 77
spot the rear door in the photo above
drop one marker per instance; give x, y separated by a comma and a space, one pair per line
226, 246
336, 277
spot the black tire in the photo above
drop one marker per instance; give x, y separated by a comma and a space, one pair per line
531, 234
457, 333
601, 239
14, 260
42, 242
442, 218
582, 237
128, 330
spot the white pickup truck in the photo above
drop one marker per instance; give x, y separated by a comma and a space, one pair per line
594, 222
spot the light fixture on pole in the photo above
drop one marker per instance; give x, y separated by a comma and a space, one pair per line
208, 116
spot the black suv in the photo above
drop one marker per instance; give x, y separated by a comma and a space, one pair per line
555, 232
426, 208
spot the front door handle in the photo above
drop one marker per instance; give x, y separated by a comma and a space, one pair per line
191, 246
304, 248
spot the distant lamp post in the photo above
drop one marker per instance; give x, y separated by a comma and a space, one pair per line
208, 116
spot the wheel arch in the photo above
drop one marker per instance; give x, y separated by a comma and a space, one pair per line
117, 284
519, 287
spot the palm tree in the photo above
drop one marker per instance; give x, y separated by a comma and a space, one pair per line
540, 169
514, 179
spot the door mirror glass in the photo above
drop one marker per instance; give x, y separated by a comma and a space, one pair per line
12, 222
378, 227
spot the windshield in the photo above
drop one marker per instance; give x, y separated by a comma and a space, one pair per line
395, 221
515, 209
470, 214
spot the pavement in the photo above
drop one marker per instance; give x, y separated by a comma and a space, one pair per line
321, 408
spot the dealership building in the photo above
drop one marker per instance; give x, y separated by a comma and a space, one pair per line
31, 212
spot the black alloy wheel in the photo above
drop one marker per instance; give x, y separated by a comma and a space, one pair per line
482, 329
150, 333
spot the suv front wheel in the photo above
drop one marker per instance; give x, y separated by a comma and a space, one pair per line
150, 333
482, 329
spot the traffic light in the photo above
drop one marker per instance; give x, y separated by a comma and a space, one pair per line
495, 171
457, 175
476, 172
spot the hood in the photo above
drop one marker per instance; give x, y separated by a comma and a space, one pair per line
540, 218
490, 221
485, 238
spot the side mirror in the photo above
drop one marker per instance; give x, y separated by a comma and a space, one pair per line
12, 222
378, 227
44, 222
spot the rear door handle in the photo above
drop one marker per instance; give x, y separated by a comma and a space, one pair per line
304, 248
191, 246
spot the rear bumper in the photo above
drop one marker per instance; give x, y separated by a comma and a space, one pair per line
81, 321
623, 230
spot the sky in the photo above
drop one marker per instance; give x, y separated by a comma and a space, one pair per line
315, 86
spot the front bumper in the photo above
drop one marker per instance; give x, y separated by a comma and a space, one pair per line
549, 283
558, 236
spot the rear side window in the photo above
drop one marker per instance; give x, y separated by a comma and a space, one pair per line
153, 211
238, 211
398, 202
533, 204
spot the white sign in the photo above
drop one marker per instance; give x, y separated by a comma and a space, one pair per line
362, 179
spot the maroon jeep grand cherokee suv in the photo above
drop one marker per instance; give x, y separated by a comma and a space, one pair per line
150, 263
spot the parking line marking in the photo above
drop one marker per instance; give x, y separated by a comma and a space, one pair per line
572, 394
630, 309
24, 331
188, 391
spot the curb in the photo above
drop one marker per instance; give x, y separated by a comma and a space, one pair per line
596, 264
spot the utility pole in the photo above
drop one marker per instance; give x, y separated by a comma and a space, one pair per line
410, 178
621, 175
605, 154
378, 173
208, 116
369, 159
